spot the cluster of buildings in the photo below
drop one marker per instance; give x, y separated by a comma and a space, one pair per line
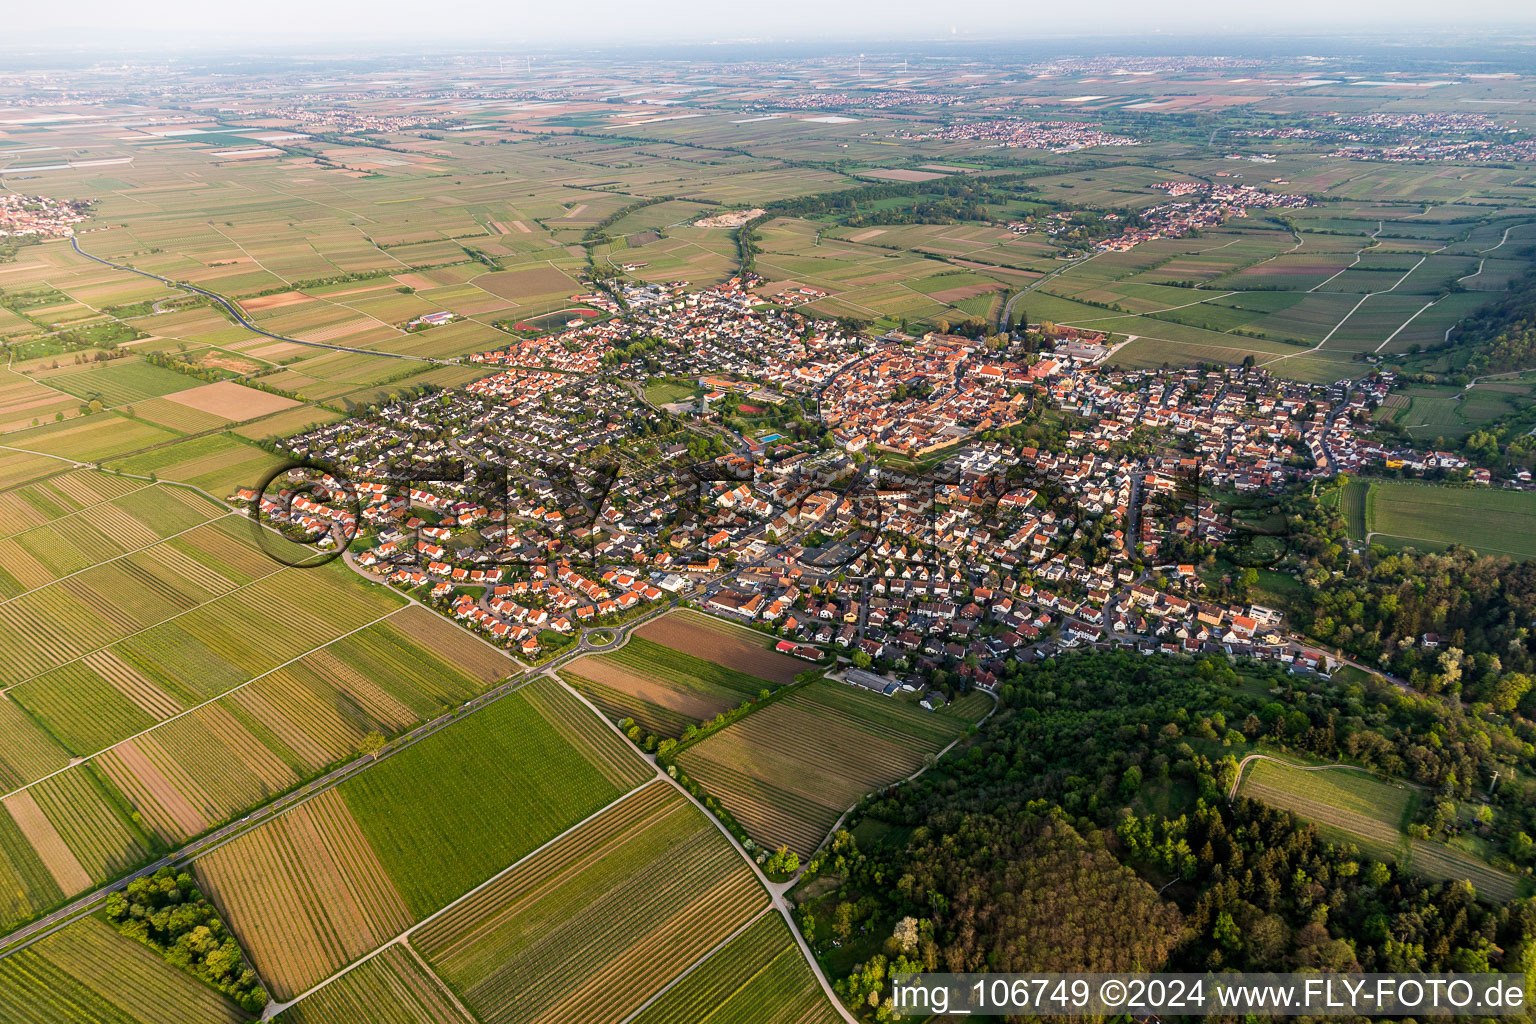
1198, 205
1413, 137
39, 216
883, 99
352, 120
1470, 151
727, 328
1056, 136
537, 500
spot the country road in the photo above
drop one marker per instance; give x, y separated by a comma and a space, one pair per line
30, 933
234, 310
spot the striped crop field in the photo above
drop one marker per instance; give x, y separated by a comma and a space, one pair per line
391, 988
88, 974
118, 381
90, 438
723, 643
108, 691
595, 923
305, 894
206, 762
77, 829
788, 770
17, 468
452, 810
1346, 805
663, 689
52, 498
761, 977
972, 707
189, 774
26, 751
26, 884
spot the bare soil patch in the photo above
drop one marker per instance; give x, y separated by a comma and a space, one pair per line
656, 692
722, 643
234, 402
278, 301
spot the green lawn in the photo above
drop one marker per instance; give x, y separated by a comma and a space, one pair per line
661, 390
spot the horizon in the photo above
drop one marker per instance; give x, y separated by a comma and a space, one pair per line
305, 27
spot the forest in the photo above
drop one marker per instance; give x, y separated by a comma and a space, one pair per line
1044, 840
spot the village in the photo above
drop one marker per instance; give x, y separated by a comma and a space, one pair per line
550, 498
1056, 136
39, 217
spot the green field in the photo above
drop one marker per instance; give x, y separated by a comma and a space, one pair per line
1345, 804
1354, 807
118, 382
88, 974
462, 804
663, 392
391, 988
592, 925
661, 688
759, 978
1491, 522
789, 769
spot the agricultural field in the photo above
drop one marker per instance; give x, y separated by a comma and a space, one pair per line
145, 715
219, 464
724, 643
88, 530
593, 924
341, 874
788, 770
94, 438
1490, 522
305, 893
661, 688
450, 811
88, 974
1345, 804
1354, 807
189, 619
390, 988
760, 977
113, 383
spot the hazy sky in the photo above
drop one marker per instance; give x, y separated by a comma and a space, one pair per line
484, 23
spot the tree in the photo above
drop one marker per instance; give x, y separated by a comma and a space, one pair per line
371, 744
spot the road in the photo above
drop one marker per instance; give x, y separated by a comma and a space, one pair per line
235, 311
1007, 314
26, 935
